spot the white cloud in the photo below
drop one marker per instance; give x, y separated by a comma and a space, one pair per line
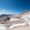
3, 10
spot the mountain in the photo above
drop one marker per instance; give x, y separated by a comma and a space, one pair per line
21, 23
22, 19
5, 17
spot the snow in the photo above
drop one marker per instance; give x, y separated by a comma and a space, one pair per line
25, 16
15, 25
2, 27
14, 19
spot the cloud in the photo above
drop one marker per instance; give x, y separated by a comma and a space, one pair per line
3, 10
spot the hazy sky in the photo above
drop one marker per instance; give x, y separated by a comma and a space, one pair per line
14, 6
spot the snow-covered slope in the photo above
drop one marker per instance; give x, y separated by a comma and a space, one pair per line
26, 17
22, 18
18, 20
2, 27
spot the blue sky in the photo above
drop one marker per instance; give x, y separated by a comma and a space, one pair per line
14, 6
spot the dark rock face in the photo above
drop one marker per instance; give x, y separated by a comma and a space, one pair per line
8, 18
4, 18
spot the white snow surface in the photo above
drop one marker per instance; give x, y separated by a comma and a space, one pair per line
2, 27
25, 16
15, 25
